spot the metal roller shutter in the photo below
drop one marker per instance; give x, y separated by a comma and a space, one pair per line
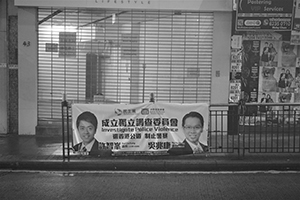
124, 55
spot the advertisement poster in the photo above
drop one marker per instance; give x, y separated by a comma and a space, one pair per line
264, 15
279, 77
295, 33
235, 68
250, 69
147, 127
296, 22
235, 91
295, 37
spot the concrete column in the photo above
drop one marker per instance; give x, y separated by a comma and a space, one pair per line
221, 57
27, 51
3, 68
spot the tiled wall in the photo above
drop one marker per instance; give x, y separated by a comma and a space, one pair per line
13, 74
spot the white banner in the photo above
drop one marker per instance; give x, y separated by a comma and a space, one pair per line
146, 127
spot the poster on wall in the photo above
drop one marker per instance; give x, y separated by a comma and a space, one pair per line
295, 33
167, 128
250, 69
269, 53
246, 54
235, 68
279, 77
295, 37
264, 15
270, 74
234, 91
288, 54
296, 20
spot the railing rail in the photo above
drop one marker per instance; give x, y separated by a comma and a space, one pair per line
236, 128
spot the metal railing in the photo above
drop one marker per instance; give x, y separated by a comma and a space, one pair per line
235, 128
67, 141
255, 128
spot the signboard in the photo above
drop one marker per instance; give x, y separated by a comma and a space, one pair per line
51, 47
273, 15
146, 127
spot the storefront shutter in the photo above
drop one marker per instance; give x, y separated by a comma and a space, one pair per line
122, 56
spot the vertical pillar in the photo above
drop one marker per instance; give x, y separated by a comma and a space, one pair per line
13, 74
221, 57
27, 59
3, 68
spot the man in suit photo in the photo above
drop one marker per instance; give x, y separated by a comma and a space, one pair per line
87, 124
192, 124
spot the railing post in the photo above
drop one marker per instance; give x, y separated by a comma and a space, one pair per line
241, 115
68, 131
65, 111
63, 105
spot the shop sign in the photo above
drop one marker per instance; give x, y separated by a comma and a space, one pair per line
264, 15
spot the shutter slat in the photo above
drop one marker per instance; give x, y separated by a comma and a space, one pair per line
142, 52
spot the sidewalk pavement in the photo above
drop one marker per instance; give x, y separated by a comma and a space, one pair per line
19, 152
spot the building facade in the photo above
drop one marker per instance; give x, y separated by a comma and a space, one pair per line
117, 51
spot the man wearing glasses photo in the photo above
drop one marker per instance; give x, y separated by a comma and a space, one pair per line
192, 124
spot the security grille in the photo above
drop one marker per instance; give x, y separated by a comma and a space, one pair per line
122, 56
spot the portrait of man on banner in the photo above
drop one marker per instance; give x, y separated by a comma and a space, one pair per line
192, 124
86, 125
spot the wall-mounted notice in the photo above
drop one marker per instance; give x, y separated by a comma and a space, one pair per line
67, 44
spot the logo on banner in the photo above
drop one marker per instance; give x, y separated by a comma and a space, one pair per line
118, 111
145, 111
158, 111
124, 111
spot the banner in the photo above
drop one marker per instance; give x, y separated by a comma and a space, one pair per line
148, 127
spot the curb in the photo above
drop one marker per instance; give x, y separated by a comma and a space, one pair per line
148, 165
